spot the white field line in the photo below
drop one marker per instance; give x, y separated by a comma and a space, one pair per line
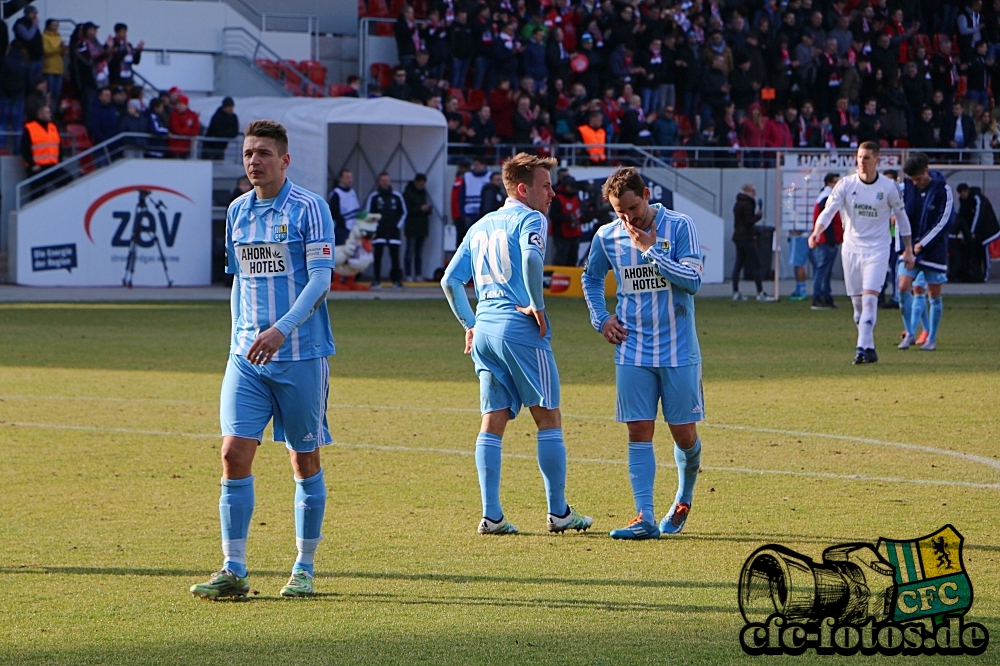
970, 457
459, 452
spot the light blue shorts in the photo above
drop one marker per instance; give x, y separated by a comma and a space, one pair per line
293, 392
640, 389
513, 374
922, 276
798, 250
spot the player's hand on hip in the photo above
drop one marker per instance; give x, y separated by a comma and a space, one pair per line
539, 315
641, 239
908, 260
265, 346
613, 331
468, 340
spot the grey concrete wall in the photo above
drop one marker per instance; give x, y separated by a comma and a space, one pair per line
235, 77
339, 54
11, 173
338, 17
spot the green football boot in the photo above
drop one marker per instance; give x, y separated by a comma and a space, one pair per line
299, 585
573, 520
224, 583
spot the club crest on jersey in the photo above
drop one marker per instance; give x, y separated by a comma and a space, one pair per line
880, 196
536, 240
279, 233
665, 244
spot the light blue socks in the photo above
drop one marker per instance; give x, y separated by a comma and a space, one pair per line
919, 313
488, 450
936, 308
552, 463
906, 310
688, 463
310, 505
642, 474
235, 511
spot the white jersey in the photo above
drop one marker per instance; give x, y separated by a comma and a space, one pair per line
865, 209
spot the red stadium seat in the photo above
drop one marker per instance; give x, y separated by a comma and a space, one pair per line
72, 110
684, 127
475, 99
459, 95
420, 8
315, 71
396, 8
362, 9
920, 39
900, 143
378, 8
382, 74
78, 137
962, 87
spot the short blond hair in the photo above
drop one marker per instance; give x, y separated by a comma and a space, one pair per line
626, 179
521, 169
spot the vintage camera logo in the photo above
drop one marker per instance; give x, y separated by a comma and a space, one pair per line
900, 597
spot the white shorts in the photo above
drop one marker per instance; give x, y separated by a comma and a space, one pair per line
864, 271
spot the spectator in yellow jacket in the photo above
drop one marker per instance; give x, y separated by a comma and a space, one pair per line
53, 51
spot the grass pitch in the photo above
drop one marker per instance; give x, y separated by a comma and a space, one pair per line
109, 487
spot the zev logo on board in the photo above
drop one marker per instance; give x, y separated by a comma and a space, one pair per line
146, 223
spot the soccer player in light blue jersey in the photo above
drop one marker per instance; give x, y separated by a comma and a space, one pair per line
279, 243
656, 258
510, 339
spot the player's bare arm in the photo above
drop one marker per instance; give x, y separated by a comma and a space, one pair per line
469, 334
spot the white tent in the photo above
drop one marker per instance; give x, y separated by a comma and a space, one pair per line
367, 136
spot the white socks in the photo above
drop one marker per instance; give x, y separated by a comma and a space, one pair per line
856, 302
868, 317
235, 551
307, 549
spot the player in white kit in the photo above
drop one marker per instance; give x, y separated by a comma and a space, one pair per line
865, 200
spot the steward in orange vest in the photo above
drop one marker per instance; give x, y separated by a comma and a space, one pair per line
40, 142
593, 134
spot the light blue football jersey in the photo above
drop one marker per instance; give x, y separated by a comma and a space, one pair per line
491, 255
269, 250
655, 290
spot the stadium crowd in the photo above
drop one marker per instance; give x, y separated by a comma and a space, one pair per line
87, 90
741, 75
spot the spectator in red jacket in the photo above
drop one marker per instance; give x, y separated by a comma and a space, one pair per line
183, 122
777, 134
752, 135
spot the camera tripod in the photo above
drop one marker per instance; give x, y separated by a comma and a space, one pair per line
142, 212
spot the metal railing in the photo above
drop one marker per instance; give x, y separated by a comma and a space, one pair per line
280, 22
126, 145
366, 29
577, 154
239, 43
690, 156
11, 142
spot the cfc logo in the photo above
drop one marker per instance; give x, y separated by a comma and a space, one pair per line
900, 597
